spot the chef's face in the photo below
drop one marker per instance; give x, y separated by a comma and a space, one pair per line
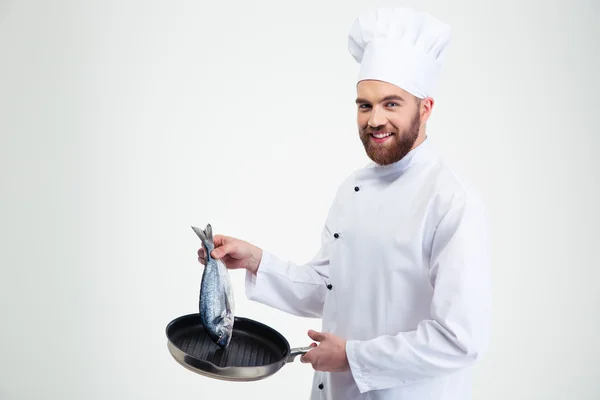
389, 120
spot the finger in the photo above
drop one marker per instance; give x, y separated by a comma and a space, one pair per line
316, 336
313, 345
201, 252
304, 358
223, 250
202, 260
307, 357
220, 240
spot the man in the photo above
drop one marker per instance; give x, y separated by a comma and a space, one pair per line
402, 279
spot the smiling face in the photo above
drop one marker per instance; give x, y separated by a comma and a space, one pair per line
390, 120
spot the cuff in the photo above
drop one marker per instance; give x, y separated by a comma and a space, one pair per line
358, 373
253, 283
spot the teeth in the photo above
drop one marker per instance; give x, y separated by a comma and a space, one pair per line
382, 135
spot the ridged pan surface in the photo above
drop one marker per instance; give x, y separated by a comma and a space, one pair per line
255, 350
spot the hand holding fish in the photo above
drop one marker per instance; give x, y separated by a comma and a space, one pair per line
234, 253
329, 355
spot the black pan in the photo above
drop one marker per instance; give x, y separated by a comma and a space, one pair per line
255, 352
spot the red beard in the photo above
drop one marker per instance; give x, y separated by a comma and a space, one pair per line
395, 147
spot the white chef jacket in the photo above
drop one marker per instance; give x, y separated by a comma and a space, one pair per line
403, 274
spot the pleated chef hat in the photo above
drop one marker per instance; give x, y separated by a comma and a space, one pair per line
400, 46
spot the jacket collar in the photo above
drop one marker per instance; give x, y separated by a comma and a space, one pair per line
424, 152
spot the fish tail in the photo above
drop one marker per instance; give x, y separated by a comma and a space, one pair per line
209, 233
206, 237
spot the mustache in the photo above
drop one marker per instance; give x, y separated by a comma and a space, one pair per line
369, 131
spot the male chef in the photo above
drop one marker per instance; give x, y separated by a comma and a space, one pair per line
402, 278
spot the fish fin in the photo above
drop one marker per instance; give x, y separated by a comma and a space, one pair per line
208, 244
227, 315
200, 233
230, 303
229, 300
209, 233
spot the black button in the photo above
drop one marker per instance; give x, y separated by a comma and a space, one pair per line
321, 386
336, 235
356, 188
329, 286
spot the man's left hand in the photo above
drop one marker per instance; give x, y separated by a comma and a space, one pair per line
328, 356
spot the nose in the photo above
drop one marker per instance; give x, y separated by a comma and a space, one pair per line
376, 118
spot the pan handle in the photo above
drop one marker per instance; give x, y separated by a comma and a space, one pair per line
298, 351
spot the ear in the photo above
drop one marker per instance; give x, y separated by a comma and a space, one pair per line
425, 108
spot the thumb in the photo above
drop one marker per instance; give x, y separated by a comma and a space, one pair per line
222, 251
316, 336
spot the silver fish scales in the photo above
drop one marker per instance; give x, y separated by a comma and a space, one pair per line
216, 302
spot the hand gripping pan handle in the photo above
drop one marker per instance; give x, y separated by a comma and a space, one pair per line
298, 351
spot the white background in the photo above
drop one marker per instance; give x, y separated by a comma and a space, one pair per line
124, 122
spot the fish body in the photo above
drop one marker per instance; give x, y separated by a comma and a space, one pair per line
216, 297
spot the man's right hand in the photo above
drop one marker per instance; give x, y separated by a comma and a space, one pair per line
234, 253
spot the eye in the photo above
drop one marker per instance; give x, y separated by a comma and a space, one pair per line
394, 104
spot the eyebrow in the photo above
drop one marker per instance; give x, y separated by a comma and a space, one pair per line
386, 98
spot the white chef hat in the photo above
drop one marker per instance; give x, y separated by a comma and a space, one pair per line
400, 46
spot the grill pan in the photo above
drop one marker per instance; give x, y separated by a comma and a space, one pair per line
256, 351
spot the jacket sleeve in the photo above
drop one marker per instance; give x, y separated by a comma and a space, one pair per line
459, 327
295, 289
